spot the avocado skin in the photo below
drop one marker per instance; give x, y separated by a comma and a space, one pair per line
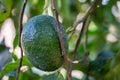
40, 43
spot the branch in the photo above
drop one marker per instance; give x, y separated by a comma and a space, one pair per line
86, 61
3, 7
20, 31
76, 46
60, 36
90, 11
86, 43
85, 19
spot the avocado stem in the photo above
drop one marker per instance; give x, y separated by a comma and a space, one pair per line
19, 38
60, 38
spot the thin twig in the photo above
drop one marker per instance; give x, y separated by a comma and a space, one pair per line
91, 10
60, 36
20, 31
86, 39
86, 42
86, 61
2, 7
75, 50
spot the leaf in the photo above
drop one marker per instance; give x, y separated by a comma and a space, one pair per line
9, 68
115, 61
26, 61
113, 74
13, 66
14, 56
29, 75
103, 14
55, 76
65, 9
36, 7
100, 61
8, 5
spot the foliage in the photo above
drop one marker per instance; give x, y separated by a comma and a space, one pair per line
103, 39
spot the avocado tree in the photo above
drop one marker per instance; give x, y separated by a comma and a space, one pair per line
59, 40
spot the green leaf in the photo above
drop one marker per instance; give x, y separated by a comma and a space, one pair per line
113, 74
35, 7
13, 66
9, 68
115, 61
65, 9
55, 76
8, 5
29, 75
26, 61
100, 61
14, 56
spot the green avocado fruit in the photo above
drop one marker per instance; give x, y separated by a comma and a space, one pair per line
41, 45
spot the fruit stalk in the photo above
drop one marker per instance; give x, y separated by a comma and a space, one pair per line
60, 37
20, 31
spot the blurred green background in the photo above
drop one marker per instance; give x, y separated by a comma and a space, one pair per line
103, 39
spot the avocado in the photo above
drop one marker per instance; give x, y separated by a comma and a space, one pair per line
41, 45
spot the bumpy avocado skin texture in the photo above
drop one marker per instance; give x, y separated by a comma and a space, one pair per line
40, 43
